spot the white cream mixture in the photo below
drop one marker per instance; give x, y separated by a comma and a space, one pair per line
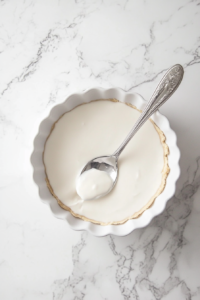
93, 183
97, 129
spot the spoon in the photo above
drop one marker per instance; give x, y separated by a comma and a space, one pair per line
163, 92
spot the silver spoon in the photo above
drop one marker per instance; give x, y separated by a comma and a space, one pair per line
163, 92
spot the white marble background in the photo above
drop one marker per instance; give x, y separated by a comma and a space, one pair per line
48, 49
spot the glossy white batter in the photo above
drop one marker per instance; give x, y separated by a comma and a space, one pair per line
97, 129
93, 183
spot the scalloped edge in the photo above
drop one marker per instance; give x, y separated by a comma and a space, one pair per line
39, 174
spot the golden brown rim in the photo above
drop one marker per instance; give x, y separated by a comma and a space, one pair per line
136, 215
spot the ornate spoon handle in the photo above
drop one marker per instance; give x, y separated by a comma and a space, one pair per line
167, 86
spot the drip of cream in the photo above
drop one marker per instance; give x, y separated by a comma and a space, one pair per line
93, 184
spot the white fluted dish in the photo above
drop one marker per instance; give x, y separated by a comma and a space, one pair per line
39, 172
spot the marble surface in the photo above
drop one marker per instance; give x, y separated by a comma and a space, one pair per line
49, 49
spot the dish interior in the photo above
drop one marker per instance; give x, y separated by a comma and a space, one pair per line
95, 129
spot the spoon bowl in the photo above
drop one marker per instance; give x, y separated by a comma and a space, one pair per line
108, 164
104, 163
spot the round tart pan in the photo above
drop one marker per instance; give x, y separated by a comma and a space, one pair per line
39, 175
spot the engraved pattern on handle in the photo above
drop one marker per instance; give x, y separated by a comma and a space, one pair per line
167, 86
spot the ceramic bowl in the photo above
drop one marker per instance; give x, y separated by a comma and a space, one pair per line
39, 173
